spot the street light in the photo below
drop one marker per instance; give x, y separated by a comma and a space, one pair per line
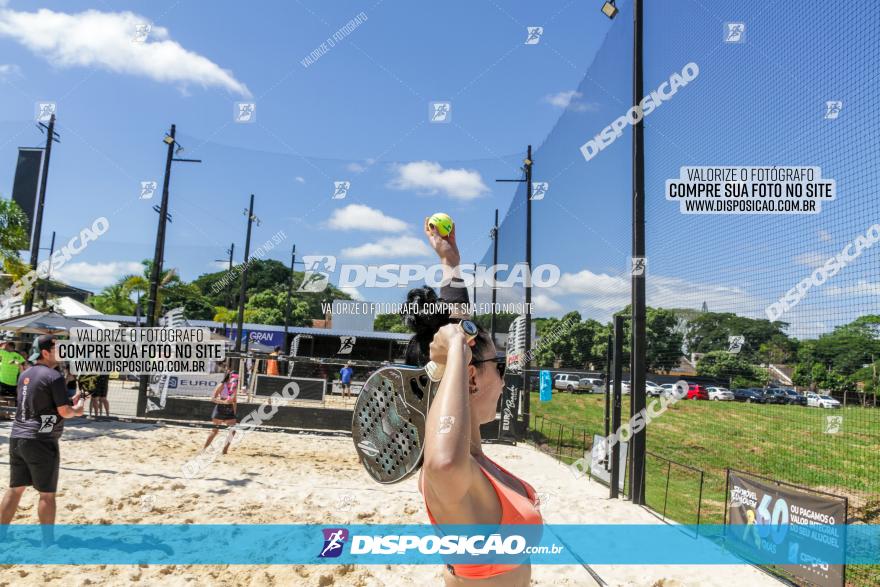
609, 9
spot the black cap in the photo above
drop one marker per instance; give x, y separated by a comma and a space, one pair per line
41, 343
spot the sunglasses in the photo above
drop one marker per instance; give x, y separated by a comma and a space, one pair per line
500, 364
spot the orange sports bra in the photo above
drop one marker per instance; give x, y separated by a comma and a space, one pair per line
515, 509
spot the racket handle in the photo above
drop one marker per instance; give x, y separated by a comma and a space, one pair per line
435, 371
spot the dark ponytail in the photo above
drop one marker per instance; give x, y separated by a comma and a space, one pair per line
422, 317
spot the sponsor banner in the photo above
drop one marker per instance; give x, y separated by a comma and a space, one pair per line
513, 385
185, 385
309, 389
792, 525
600, 469
538, 544
26, 184
269, 338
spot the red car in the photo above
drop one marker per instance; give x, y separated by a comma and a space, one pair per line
697, 391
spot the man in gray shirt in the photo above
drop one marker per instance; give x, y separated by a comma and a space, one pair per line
34, 458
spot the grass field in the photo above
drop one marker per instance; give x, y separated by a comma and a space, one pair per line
700, 438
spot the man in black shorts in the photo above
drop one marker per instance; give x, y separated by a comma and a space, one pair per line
34, 457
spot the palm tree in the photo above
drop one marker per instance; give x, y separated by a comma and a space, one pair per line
140, 284
113, 300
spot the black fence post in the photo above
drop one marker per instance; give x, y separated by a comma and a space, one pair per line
615, 424
666, 496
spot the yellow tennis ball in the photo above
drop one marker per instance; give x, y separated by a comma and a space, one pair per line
442, 222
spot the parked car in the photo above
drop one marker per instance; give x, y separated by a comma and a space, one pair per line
775, 396
668, 388
697, 391
821, 401
592, 385
653, 389
720, 394
566, 382
794, 397
625, 386
750, 396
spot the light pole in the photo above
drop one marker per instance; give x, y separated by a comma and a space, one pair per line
51, 137
638, 305
159, 252
249, 212
231, 252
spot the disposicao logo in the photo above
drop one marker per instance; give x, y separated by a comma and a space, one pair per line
334, 539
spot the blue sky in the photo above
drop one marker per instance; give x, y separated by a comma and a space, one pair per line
360, 113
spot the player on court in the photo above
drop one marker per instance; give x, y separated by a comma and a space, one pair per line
225, 397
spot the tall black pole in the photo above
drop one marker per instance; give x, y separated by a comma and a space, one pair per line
639, 441
526, 386
289, 292
609, 356
38, 216
494, 266
49, 273
615, 417
244, 275
474, 301
156, 272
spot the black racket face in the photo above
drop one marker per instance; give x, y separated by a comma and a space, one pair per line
388, 425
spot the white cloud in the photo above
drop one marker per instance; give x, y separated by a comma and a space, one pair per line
356, 167
107, 40
300, 179
96, 274
391, 247
570, 100
812, 259
544, 304
7, 70
430, 178
862, 288
360, 217
353, 292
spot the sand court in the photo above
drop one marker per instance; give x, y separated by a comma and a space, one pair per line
132, 473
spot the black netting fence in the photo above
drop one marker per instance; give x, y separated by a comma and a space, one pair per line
773, 319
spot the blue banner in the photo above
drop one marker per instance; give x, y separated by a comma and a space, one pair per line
546, 386
426, 544
269, 338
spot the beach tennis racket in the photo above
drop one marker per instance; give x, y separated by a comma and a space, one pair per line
390, 414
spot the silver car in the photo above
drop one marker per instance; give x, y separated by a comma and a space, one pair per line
720, 394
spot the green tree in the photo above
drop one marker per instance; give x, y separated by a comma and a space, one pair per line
734, 369
113, 299
663, 338
189, 297
503, 320
389, 323
709, 331
13, 238
267, 307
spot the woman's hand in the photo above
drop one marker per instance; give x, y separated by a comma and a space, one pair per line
445, 246
449, 339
